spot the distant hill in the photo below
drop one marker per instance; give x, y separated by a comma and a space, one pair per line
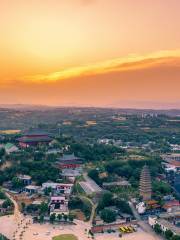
24, 106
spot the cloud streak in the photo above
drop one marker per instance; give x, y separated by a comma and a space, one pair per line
130, 63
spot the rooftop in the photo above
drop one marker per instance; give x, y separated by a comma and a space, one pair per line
32, 187
169, 225
35, 132
121, 183
170, 204
69, 157
24, 177
34, 139
9, 145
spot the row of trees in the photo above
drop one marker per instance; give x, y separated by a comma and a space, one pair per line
55, 218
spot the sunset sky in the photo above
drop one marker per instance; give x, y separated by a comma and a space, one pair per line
114, 53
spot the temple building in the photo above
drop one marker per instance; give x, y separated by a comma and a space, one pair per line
34, 138
69, 161
145, 188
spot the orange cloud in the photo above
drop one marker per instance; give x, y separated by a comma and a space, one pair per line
132, 62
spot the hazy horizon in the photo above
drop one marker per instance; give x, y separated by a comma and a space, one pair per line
128, 105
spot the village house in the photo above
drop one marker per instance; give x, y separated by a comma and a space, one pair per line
58, 188
173, 205
32, 189
172, 166
26, 179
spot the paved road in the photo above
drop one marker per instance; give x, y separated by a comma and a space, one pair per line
145, 226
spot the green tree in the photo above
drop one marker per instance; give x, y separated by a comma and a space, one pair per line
176, 237
2, 195
52, 218
2, 152
123, 206
43, 208
168, 234
41, 218
17, 183
94, 174
161, 187
108, 215
106, 200
59, 217
47, 191
65, 217
7, 203
23, 205
71, 217
157, 228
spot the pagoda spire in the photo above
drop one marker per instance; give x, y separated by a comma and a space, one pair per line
145, 188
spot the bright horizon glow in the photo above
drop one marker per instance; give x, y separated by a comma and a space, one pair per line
128, 63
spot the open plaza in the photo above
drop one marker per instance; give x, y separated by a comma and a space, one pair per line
8, 226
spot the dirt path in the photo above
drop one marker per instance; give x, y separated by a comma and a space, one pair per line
6, 164
21, 222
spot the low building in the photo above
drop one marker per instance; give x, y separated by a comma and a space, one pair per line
112, 226
26, 179
173, 166
171, 157
58, 205
58, 188
152, 205
37, 202
141, 208
171, 205
31, 189
89, 186
123, 183
164, 224
173, 216
175, 147
54, 151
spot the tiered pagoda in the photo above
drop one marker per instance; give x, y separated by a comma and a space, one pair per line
145, 188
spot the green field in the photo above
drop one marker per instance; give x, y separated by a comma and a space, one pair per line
65, 237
